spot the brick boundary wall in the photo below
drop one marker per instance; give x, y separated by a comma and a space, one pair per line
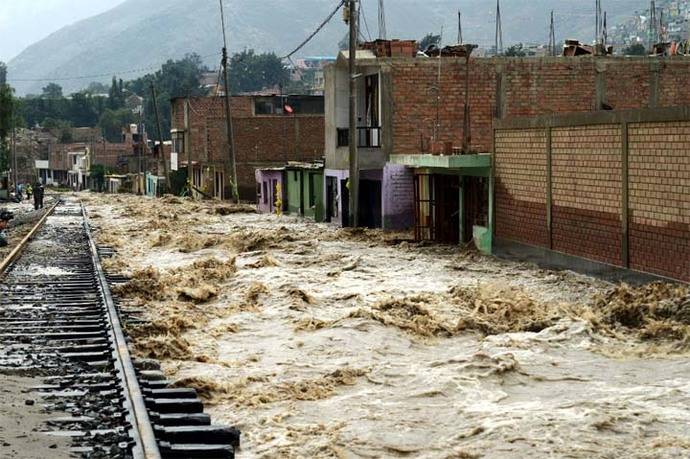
615, 187
521, 87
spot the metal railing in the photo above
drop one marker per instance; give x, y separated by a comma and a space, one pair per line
367, 137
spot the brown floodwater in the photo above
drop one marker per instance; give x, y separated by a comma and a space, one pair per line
319, 342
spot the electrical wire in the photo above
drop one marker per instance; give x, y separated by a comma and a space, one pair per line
318, 29
96, 76
363, 15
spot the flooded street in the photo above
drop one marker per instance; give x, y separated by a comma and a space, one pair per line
322, 342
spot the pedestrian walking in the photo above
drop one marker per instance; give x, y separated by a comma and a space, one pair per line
38, 195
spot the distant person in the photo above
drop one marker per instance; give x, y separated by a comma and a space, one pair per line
38, 195
5, 218
20, 192
29, 192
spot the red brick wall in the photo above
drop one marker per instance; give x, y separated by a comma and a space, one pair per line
587, 192
415, 103
260, 141
528, 87
520, 187
659, 194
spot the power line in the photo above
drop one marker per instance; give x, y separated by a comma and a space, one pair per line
318, 29
383, 34
101, 75
363, 15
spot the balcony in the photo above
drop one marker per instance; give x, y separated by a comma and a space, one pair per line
367, 137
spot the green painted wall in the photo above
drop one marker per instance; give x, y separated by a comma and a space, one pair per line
294, 191
312, 195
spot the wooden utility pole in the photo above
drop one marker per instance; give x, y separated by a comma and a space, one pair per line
15, 163
353, 137
231, 170
499, 30
160, 137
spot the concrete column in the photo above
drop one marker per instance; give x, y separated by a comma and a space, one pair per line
625, 204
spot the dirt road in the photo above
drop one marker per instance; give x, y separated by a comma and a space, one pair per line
319, 342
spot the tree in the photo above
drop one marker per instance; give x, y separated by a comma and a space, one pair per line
517, 50
98, 173
253, 72
52, 91
116, 97
96, 87
3, 73
429, 40
636, 49
112, 122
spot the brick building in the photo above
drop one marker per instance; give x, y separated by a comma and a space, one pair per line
265, 135
411, 107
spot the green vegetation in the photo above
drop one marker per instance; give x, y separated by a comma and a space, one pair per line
252, 72
637, 49
98, 173
517, 50
429, 40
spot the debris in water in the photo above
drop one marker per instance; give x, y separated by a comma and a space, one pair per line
409, 314
200, 294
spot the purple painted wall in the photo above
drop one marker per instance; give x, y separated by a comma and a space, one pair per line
266, 180
398, 197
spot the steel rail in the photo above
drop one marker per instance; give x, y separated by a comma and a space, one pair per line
18, 249
141, 430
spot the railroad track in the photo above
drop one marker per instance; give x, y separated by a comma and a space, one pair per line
59, 321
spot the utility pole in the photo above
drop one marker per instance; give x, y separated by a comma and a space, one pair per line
161, 152
499, 29
653, 31
353, 137
459, 27
15, 163
552, 37
232, 165
597, 9
383, 34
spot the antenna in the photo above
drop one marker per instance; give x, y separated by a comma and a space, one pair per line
459, 27
499, 29
382, 21
552, 37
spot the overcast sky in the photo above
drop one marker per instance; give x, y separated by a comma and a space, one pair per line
24, 22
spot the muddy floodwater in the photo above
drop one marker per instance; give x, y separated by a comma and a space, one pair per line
318, 342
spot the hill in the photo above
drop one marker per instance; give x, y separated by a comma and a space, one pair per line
142, 34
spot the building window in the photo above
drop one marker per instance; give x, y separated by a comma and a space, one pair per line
178, 142
300, 105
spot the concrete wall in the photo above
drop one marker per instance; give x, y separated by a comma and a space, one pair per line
608, 187
398, 197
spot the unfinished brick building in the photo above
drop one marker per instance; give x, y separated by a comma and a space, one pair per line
265, 135
412, 107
